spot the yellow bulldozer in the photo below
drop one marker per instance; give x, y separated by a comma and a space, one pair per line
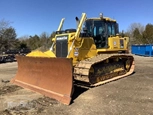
90, 55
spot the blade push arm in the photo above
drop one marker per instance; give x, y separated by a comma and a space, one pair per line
61, 24
83, 18
76, 37
59, 29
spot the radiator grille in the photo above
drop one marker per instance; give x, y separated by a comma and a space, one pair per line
61, 46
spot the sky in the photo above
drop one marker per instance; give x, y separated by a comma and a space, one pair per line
33, 17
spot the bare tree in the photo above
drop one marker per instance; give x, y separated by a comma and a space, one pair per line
132, 28
7, 35
4, 24
23, 37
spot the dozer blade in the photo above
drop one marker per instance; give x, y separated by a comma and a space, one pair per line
49, 76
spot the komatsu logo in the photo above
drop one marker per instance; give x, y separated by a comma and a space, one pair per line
61, 38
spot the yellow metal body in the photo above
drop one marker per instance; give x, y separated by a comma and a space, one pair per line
80, 48
115, 45
85, 47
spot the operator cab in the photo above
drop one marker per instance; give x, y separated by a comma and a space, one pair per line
101, 29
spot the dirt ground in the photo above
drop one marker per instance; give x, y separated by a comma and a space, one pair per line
132, 95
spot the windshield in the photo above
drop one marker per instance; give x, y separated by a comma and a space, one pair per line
95, 27
111, 28
99, 27
100, 30
89, 26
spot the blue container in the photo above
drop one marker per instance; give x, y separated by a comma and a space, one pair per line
144, 50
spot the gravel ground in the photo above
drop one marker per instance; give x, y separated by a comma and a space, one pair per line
132, 95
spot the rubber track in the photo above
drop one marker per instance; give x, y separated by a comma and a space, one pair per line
82, 68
